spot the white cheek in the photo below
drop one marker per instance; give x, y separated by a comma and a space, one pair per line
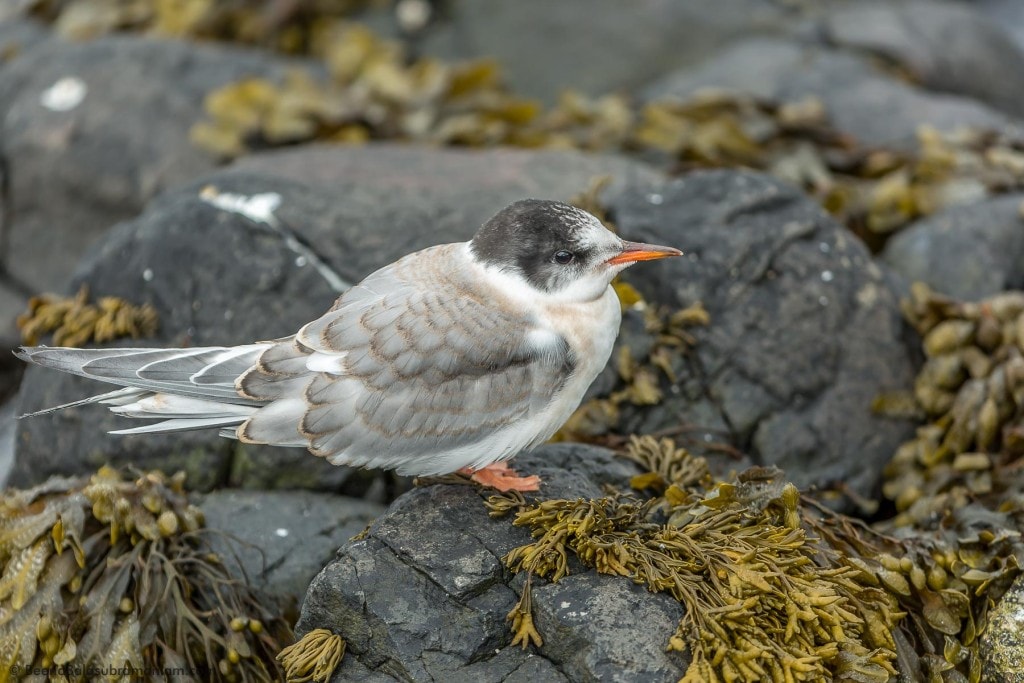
586, 288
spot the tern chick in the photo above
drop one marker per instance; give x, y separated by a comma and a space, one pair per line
453, 358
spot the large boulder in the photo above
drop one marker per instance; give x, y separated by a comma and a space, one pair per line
945, 46
545, 47
804, 330
599, 46
217, 277
424, 595
860, 99
85, 144
1009, 14
969, 252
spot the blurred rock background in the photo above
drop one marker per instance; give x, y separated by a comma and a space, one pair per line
813, 158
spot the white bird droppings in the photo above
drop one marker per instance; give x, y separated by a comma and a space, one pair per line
565, 604
147, 275
827, 276
282, 533
258, 208
300, 261
64, 95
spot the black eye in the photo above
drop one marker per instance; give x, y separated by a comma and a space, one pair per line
563, 257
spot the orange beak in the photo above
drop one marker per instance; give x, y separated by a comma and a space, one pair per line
638, 251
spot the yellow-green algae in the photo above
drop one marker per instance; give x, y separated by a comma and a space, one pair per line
314, 657
776, 587
74, 321
112, 575
971, 389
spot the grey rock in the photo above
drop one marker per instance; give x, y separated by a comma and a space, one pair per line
945, 46
597, 46
861, 100
351, 210
280, 540
18, 36
7, 422
73, 173
12, 304
804, 330
582, 616
649, 37
431, 606
1002, 643
969, 252
1009, 14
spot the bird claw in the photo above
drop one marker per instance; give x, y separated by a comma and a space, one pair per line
500, 476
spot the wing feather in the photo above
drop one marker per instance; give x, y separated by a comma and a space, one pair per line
432, 364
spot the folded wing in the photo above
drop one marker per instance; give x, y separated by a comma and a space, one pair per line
417, 368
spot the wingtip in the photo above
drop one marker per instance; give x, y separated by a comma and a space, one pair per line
28, 353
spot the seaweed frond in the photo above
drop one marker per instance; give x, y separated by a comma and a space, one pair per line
115, 572
76, 322
314, 657
971, 388
776, 586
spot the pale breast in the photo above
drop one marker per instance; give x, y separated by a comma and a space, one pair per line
591, 329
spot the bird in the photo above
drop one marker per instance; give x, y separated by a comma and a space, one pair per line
454, 358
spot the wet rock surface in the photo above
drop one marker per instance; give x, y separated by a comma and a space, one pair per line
804, 330
431, 606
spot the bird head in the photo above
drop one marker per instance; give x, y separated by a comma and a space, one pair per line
558, 249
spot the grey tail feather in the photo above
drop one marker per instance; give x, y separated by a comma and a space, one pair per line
115, 397
201, 372
189, 389
184, 425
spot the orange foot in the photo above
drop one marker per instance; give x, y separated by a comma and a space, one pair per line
500, 476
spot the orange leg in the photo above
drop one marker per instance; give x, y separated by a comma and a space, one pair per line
500, 476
